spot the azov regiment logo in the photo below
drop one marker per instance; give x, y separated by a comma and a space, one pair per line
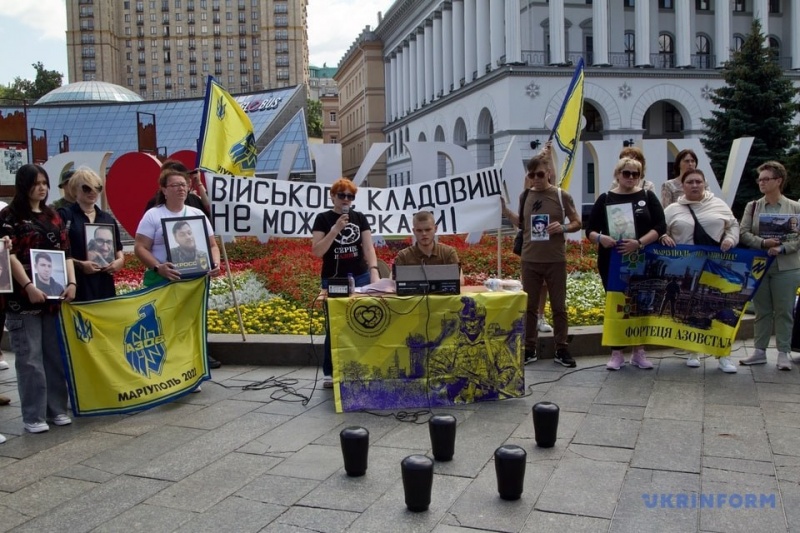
144, 342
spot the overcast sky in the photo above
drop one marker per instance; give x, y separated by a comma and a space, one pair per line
35, 30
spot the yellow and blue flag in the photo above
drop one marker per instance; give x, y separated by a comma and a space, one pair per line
137, 350
720, 277
227, 142
567, 127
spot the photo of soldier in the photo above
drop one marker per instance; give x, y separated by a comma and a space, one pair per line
186, 244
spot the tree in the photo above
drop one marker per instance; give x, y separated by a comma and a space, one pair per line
314, 118
21, 89
757, 101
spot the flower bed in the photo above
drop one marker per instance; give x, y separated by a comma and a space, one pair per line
277, 282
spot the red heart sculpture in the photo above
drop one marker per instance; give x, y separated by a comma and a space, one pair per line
130, 183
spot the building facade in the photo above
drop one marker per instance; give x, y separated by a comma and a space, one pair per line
165, 49
481, 73
321, 82
362, 107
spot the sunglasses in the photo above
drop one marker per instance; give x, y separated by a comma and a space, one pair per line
539, 174
88, 189
764, 180
631, 174
345, 196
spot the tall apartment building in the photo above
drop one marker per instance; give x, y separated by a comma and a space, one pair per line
165, 49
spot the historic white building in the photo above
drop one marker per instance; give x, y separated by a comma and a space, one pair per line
478, 73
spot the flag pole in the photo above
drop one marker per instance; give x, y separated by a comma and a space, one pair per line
233, 290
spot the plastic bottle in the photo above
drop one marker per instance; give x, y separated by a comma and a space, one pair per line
492, 284
351, 283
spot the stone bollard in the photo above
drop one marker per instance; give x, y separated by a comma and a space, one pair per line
443, 436
417, 473
509, 465
545, 424
355, 448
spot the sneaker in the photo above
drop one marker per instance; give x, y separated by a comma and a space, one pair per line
616, 361
213, 363
197, 389
639, 358
784, 363
543, 326
530, 356
3, 364
37, 427
62, 420
564, 358
692, 361
759, 357
327, 382
4, 400
726, 366
2, 439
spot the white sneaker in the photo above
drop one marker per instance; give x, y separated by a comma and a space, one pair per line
198, 389
2, 439
544, 327
692, 360
62, 420
784, 362
3, 364
726, 366
37, 427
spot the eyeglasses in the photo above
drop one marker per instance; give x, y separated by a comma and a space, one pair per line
88, 189
345, 196
177, 186
631, 174
103, 241
539, 174
764, 180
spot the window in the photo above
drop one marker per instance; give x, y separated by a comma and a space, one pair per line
774, 47
665, 4
630, 48
774, 6
673, 121
630, 3
702, 5
738, 42
738, 5
333, 117
666, 58
703, 51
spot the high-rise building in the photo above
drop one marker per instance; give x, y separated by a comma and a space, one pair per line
164, 49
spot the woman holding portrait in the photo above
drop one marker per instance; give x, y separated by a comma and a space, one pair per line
774, 299
699, 217
648, 226
93, 271
343, 239
672, 189
32, 319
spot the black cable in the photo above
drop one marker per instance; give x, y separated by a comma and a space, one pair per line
285, 389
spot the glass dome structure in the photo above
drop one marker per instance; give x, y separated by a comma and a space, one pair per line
87, 92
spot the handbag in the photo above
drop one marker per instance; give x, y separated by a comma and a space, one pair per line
700, 235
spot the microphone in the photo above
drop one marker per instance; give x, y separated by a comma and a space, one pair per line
345, 209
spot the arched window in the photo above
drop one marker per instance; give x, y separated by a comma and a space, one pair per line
774, 47
702, 51
630, 48
738, 42
666, 51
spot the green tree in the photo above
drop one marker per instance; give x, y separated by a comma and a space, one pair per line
22, 89
757, 101
314, 118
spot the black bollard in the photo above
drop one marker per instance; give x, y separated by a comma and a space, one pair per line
417, 481
443, 436
355, 448
545, 424
509, 465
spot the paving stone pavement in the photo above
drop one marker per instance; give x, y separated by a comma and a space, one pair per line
667, 449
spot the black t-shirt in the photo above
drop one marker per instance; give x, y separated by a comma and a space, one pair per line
346, 254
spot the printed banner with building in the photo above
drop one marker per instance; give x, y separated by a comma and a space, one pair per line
426, 351
686, 297
137, 350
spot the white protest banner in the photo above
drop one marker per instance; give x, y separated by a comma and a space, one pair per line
462, 203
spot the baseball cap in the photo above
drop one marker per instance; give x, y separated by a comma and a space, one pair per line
65, 176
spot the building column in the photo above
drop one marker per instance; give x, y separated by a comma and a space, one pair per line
388, 82
642, 34
684, 43
723, 40
429, 93
557, 52
761, 13
458, 43
419, 67
392, 85
446, 46
437, 55
409, 88
497, 39
470, 49
795, 32
512, 32
600, 33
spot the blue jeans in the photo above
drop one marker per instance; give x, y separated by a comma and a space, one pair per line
327, 362
41, 380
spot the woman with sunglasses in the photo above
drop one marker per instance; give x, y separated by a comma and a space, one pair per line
96, 258
698, 217
774, 299
672, 189
626, 236
343, 239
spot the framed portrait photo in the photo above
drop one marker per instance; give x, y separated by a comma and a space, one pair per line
49, 272
620, 221
5, 269
186, 239
100, 244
